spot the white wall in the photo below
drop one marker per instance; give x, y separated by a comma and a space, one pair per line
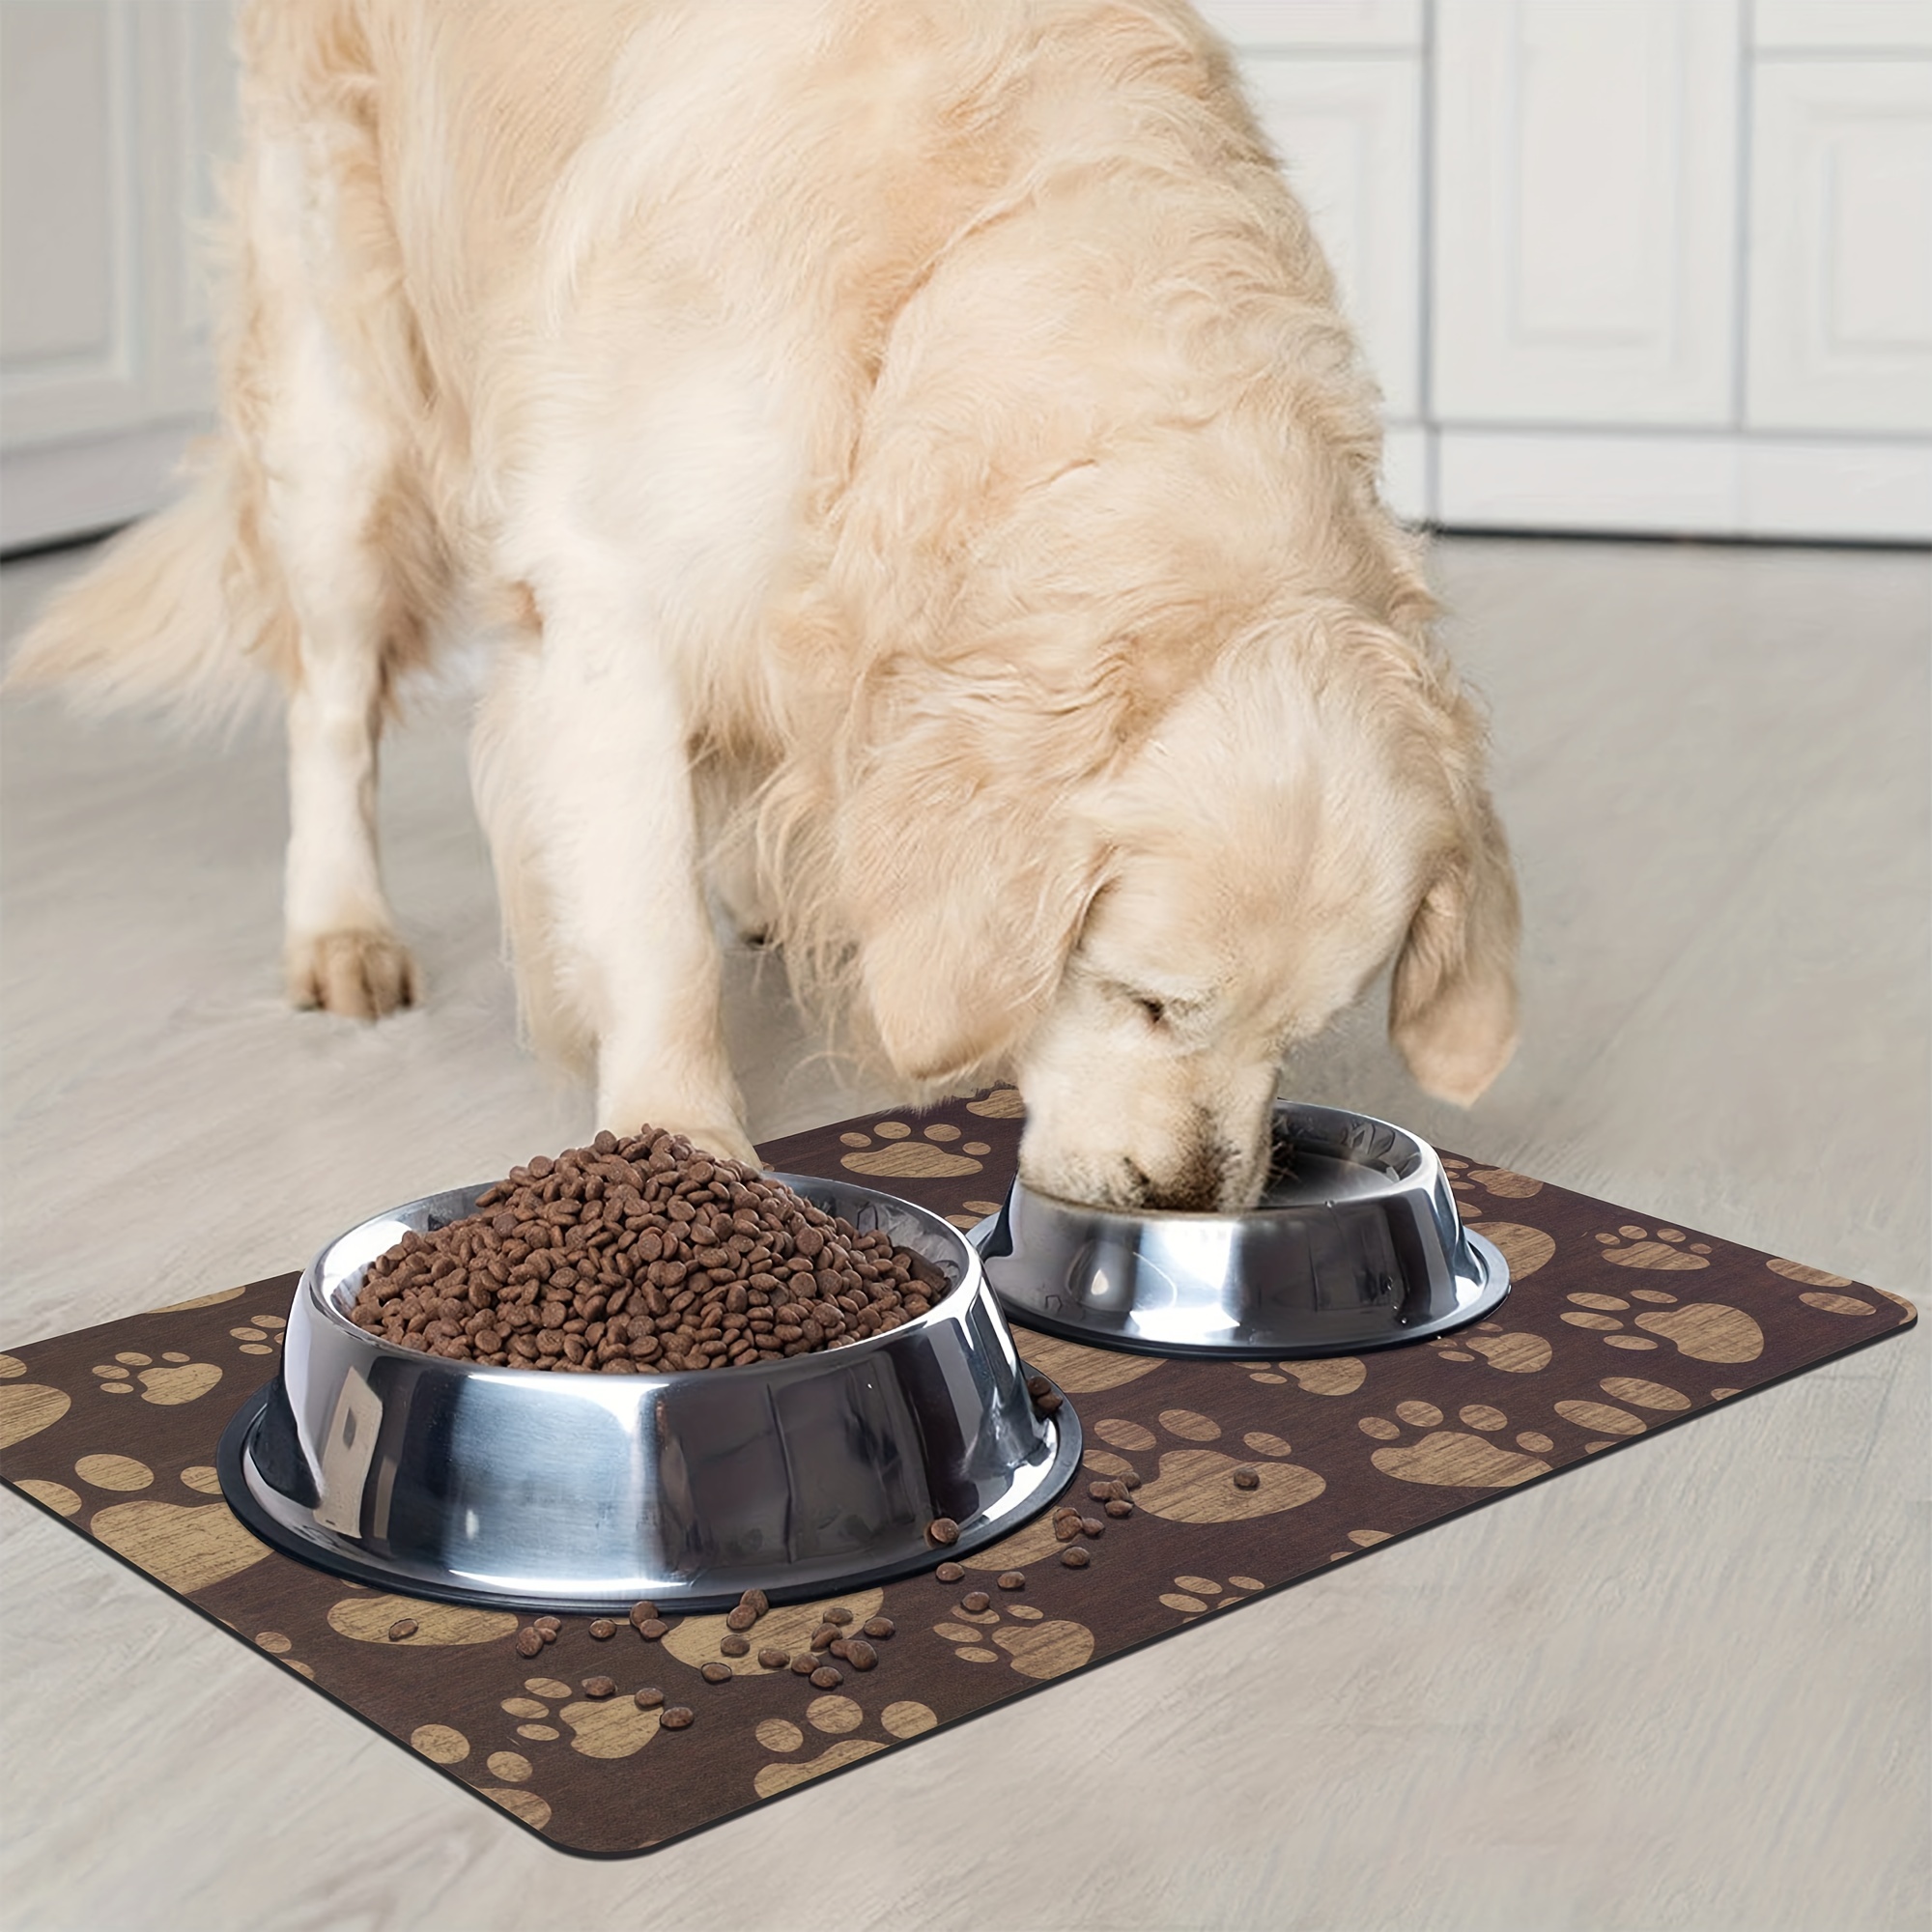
1619, 265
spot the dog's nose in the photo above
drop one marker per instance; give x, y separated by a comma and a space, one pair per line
1193, 1187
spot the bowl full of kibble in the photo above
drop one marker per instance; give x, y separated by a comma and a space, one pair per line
639, 1372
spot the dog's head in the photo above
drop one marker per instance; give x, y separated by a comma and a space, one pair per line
1144, 945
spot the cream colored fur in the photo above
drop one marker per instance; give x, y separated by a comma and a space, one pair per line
916, 460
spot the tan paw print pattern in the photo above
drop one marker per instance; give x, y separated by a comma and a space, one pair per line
1239, 1477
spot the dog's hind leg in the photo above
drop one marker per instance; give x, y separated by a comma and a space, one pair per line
583, 782
354, 552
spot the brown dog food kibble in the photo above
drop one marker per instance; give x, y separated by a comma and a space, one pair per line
860, 1653
603, 1627
1066, 1528
547, 1628
1075, 1558
652, 1630
403, 1627
641, 1256
734, 1646
1091, 1525
649, 1698
876, 1627
770, 1659
643, 1614
950, 1573
942, 1530
827, 1678
1245, 1478
678, 1717
976, 1601
840, 1648
529, 1641
1119, 1506
755, 1601
741, 1618
599, 1686
1100, 1492
825, 1637
1047, 1404
1013, 1579
804, 1663
716, 1674
837, 1614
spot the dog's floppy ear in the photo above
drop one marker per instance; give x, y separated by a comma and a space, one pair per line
1452, 1005
967, 876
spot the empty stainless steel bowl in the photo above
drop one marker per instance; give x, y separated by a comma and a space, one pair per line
479, 1484
1356, 1244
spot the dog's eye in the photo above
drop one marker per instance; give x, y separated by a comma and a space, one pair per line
1155, 1010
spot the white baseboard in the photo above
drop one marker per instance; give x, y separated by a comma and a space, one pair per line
50, 491
1791, 487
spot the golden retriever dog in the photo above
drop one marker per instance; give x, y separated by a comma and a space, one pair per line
927, 494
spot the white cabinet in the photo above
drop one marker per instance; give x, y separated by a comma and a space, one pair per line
1617, 265
1586, 211
114, 111
1840, 330
1350, 134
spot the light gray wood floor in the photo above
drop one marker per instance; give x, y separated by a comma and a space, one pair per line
1685, 1687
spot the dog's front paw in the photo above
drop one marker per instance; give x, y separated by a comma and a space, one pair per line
362, 974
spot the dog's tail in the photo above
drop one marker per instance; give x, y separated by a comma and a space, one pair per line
185, 611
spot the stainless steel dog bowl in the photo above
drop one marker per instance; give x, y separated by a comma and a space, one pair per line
479, 1484
1356, 1244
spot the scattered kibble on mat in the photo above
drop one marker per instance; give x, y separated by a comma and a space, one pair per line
640, 1255
530, 1641
827, 1678
643, 1613
950, 1573
677, 1718
716, 1674
649, 1698
1075, 1558
403, 1627
1013, 1579
603, 1627
878, 1627
1245, 1478
770, 1659
976, 1601
599, 1686
734, 1645
942, 1530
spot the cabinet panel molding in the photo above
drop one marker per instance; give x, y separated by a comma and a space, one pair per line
1586, 211
1841, 330
72, 348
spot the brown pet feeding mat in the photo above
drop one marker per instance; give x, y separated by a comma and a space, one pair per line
1205, 1482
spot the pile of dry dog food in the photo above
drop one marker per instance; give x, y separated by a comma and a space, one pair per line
635, 1257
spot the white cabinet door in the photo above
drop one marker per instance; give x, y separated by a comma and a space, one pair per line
1838, 26
71, 358
1840, 333
115, 112
1316, 23
1348, 135
1585, 207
